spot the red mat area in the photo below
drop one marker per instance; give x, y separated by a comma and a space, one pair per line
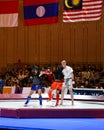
52, 113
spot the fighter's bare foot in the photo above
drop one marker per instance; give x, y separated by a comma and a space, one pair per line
56, 104
25, 105
72, 103
61, 103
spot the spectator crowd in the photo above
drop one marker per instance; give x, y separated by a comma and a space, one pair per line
18, 75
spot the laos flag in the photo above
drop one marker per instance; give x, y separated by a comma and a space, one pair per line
40, 12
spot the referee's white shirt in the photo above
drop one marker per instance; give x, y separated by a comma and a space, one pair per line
67, 72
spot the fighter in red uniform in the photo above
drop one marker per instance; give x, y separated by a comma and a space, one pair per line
57, 83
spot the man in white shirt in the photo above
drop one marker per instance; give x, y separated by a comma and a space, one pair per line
68, 76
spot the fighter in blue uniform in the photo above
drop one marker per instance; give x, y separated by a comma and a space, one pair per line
36, 85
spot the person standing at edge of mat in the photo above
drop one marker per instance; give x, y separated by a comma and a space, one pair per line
36, 85
68, 81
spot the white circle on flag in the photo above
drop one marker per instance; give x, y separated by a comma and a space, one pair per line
40, 11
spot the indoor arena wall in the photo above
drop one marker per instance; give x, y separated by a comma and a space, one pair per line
76, 42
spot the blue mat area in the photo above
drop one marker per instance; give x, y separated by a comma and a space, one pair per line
52, 124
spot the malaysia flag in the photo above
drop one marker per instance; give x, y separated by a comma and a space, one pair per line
8, 13
40, 12
82, 10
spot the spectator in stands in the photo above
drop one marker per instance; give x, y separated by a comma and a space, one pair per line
87, 85
1, 84
17, 88
19, 64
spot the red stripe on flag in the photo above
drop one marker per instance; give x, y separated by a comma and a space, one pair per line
74, 11
37, 2
7, 7
94, 5
41, 21
90, 0
83, 15
79, 18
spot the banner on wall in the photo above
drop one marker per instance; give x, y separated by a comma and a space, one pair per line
82, 10
9, 13
38, 12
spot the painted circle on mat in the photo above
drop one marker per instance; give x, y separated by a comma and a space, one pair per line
40, 11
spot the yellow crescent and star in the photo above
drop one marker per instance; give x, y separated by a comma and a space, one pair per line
74, 3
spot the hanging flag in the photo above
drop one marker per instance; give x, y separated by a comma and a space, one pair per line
8, 13
82, 10
40, 12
